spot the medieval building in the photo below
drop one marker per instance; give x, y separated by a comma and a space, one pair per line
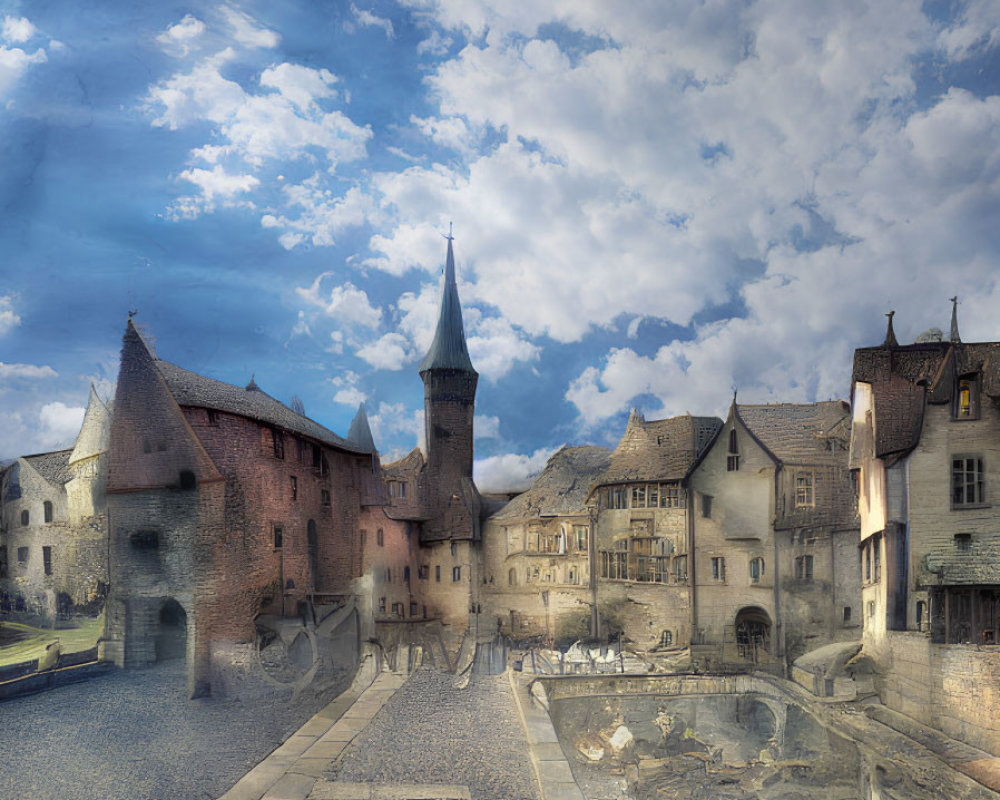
925, 448
642, 533
53, 525
774, 527
230, 510
537, 553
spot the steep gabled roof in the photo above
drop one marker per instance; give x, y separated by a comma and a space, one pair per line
191, 389
798, 433
904, 378
562, 487
661, 449
409, 464
53, 467
448, 350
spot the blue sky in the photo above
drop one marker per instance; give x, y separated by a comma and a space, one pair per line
653, 203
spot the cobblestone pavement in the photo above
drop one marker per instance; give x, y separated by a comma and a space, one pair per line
133, 735
431, 732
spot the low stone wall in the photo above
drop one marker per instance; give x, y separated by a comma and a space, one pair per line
49, 679
954, 688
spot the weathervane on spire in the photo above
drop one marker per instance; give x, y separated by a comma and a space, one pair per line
448, 236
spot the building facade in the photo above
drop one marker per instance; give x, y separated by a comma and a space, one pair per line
54, 523
925, 448
774, 529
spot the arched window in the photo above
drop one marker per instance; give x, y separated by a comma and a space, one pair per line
187, 480
511, 577
47, 507
733, 456
666, 638
25, 518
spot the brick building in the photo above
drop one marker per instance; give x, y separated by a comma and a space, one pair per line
53, 525
774, 528
228, 507
925, 447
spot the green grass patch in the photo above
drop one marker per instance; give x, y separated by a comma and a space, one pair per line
23, 642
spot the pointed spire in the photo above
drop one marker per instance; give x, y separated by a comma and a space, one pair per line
448, 350
360, 432
252, 386
954, 320
890, 335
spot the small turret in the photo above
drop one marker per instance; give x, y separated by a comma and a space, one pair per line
360, 432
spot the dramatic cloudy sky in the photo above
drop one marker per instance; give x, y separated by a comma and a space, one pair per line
653, 202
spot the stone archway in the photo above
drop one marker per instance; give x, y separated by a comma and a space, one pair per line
753, 633
171, 632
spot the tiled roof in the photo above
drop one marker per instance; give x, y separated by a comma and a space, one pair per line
904, 377
360, 432
562, 487
798, 433
410, 463
662, 449
191, 389
54, 467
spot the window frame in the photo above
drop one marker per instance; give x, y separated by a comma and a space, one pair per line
758, 562
966, 408
960, 481
718, 564
805, 488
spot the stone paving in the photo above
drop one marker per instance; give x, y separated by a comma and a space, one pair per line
133, 735
431, 732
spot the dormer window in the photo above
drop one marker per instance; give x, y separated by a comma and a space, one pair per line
733, 456
967, 398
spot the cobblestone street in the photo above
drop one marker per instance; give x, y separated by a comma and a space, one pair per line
431, 732
132, 735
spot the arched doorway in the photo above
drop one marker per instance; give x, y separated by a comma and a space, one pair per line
171, 635
753, 633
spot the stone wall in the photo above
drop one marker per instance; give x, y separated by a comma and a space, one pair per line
953, 688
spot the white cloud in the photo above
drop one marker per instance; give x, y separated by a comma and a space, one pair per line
60, 424
351, 396
178, 40
368, 19
9, 318
435, 44
286, 121
976, 29
487, 427
17, 30
214, 184
346, 303
390, 351
25, 372
511, 472
300, 85
392, 420
247, 32
14, 62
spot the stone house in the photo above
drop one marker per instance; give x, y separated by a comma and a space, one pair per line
642, 536
775, 569
925, 449
538, 580
53, 525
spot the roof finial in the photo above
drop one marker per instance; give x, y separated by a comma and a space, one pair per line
449, 237
954, 320
890, 336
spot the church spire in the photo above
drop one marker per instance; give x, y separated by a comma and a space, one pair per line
448, 350
954, 320
890, 334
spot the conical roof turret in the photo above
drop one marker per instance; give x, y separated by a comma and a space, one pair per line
448, 350
360, 432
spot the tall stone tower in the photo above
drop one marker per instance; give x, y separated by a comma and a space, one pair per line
449, 389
